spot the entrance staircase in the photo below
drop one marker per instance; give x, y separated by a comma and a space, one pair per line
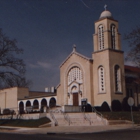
60, 118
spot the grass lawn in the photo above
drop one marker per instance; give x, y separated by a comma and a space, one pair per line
24, 123
122, 116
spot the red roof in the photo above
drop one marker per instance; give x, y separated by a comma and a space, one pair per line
132, 69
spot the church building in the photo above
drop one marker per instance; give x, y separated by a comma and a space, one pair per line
83, 80
97, 79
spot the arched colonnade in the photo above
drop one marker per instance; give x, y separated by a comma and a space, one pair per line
36, 104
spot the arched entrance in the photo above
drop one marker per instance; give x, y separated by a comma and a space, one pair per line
35, 104
75, 99
21, 108
43, 105
52, 102
74, 91
28, 106
75, 85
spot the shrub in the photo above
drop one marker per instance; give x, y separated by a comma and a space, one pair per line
7, 111
98, 108
134, 108
116, 105
105, 107
88, 108
125, 105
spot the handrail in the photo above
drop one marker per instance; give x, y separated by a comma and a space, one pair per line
53, 117
86, 118
97, 112
66, 117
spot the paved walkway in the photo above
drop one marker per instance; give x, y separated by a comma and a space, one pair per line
66, 129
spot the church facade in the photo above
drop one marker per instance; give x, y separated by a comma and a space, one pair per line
97, 79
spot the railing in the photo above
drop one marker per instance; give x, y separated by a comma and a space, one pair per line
87, 118
99, 114
66, 117
53, 117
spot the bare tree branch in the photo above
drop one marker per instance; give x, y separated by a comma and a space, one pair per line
12, 69
134, 42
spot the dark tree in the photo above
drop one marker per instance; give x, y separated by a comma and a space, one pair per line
134, 42
12, 69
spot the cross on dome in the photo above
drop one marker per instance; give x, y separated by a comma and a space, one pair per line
106, 13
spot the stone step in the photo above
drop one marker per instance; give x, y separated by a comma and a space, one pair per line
77, 119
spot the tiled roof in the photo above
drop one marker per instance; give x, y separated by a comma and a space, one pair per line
132, 69
36, 93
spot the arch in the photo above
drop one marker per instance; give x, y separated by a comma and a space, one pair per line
74, 89
28, 106
100, 37
52, 102
75, 74
35, 104
101, 77
28, 103
43, 105
78, 82
117, 75
113, 36
43, 102
21, 107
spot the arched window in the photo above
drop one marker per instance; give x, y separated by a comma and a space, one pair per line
113, 42
101, 79
117, 78
101, 37
75, 74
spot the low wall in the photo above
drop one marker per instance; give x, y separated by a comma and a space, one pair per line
68, 108
24, 116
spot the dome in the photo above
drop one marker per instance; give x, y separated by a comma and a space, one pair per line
106, 14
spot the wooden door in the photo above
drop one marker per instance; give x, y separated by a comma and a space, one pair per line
75, 99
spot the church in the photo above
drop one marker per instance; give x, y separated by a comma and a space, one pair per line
83, 80
100, 78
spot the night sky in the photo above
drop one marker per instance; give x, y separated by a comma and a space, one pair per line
47, 30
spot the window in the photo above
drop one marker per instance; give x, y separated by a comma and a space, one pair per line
113, 43
101, 37
101, 79
75, 74
117, 79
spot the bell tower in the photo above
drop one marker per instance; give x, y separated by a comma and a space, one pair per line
108, 66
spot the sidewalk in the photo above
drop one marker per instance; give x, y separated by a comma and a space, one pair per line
66, 129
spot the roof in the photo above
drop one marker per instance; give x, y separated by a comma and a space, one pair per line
106, 14
37, 93
76, 53
132, 69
